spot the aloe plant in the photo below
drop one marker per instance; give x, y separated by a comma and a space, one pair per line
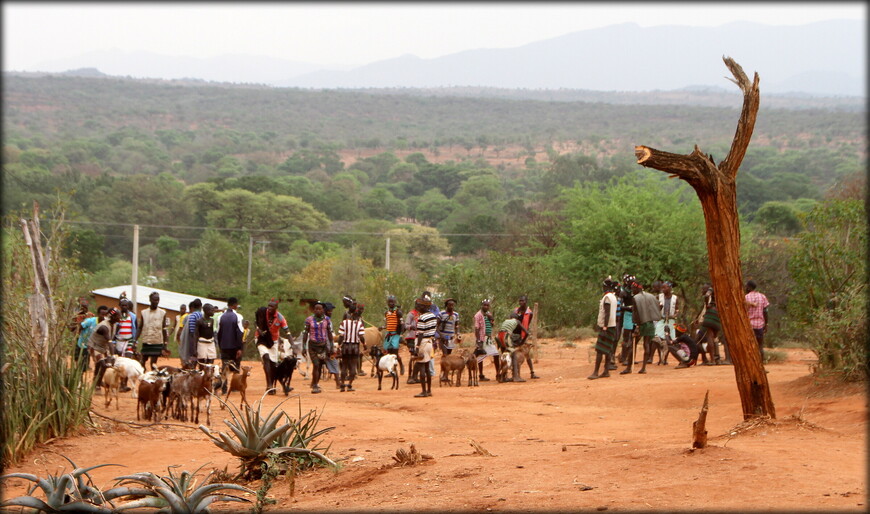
257, 437
179, 494
69, 492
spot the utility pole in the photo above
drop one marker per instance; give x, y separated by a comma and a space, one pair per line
135, 266
250, 258
387, 258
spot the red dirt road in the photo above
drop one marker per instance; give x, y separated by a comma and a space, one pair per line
561, 442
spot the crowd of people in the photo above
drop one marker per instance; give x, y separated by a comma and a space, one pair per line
627, 313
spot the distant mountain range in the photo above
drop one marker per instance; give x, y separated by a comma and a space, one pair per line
825, 58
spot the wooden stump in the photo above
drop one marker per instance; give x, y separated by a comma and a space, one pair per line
699, 427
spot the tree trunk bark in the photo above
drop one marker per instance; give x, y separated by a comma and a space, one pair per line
717, 191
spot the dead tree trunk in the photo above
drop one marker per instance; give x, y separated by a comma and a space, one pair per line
717, 191
699, 427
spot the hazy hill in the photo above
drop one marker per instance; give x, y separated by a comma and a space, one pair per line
825, 58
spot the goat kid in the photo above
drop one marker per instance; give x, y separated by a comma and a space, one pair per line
453, 364
112, 382
238, 382
150, 393
388, 363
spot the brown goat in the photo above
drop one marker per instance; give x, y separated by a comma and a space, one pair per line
471, 364
453, 363
149, 395
202, 387
238, 382
111, 383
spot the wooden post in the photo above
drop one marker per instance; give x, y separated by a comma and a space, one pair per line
533, 334
699, 427
39, 303
716, 186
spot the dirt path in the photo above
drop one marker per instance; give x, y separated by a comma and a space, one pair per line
561, 442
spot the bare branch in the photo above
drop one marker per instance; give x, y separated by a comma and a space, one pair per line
746, 124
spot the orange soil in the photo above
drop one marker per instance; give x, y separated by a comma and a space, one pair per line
558, 443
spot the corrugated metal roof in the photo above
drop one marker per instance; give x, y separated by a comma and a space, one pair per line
168, 299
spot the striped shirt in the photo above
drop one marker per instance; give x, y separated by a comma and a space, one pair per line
125, 329
449, 321
351, 330
318, 330
426, 324
391, 320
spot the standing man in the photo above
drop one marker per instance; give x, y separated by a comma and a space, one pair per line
606, 326
410, 336
230, 341
189, 358
203, 334
757, 305
427, 324
627, 355
670, 309
88, 326
179, 322
448, 327
526, 321
646, 313
125, 330
80, 352
351, 333
152, 325
393, 325
483, 321
317, 338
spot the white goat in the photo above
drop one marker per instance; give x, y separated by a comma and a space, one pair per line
389, 363
132, 370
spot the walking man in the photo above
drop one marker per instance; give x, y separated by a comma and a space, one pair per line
757, 305
230, 341
351, 333
317, 337
271, 325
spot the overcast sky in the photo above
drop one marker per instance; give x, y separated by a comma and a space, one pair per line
351, 33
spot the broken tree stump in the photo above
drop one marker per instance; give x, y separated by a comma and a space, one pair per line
699, 427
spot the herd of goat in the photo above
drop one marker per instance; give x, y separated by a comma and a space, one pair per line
168, 391
178, 393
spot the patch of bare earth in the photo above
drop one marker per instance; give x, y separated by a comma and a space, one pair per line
561, 442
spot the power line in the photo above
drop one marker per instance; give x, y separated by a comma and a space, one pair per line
288, 231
